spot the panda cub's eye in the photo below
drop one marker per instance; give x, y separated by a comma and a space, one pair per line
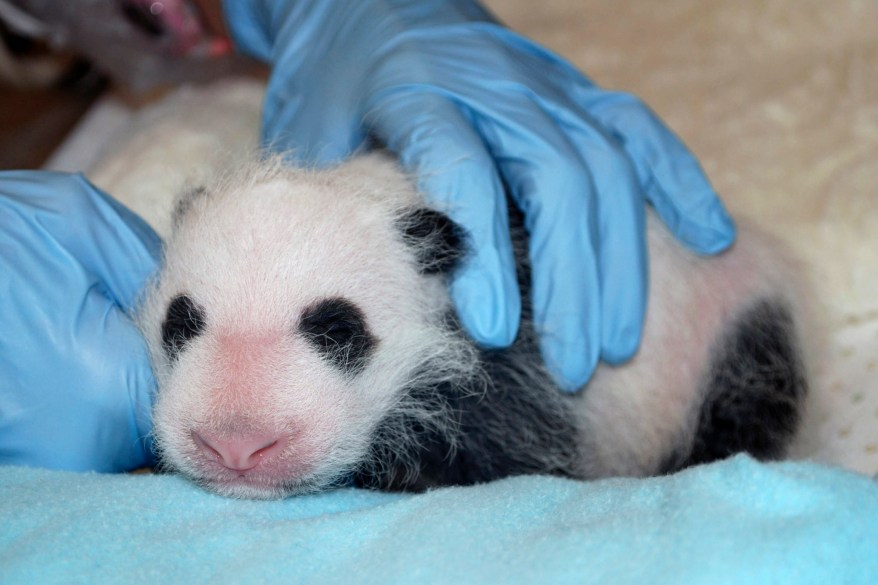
184, 321
337, 330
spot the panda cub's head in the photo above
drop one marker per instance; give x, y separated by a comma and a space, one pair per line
293, 311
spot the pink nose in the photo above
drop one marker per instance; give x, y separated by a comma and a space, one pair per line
240, 453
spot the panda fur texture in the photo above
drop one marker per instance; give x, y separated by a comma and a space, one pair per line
302, 337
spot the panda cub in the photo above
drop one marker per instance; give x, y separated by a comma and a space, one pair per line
302, 337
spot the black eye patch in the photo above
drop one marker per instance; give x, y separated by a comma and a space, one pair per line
183, 322
337, 329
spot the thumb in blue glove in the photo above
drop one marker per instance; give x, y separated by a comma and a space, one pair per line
75, 382
471, 106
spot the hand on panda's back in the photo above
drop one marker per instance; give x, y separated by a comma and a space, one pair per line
473, 108
75, 381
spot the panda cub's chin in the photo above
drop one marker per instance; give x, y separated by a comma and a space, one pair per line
261, 488
268, 473
268, 482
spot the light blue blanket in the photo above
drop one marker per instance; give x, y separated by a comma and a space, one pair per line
733, 522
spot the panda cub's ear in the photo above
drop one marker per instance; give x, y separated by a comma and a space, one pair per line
439, 243
184, 203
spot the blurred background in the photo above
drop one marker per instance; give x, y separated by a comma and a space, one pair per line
43, 93
58, 58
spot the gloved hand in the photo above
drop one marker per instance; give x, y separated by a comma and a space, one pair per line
75, 381
470, 106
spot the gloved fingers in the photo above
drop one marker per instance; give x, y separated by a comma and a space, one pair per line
556, 193
89, 379
671, 176
313, 108
312, 125
80, 224
526, 122
120, 396
435, 141
622, 232
132, 381
137, 377
250, 28
136, 252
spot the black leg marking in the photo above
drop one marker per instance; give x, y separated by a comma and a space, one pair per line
755, 391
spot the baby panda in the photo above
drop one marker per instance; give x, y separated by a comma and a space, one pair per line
302, 338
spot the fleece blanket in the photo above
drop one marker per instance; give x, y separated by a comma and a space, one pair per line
738, 521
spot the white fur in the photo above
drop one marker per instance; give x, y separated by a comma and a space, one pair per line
262, 246
267, 241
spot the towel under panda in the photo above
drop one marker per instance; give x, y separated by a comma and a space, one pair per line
303, 337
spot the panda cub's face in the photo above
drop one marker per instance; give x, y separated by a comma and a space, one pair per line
292, 310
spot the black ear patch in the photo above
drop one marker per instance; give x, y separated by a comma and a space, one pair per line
184, 321
337, 329
437, 240
184, 202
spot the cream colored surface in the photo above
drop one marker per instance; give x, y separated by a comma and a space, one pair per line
778, 99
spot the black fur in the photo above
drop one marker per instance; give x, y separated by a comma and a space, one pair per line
184, 321
755, 388
497, 429
337, 329
500, 426
438, 240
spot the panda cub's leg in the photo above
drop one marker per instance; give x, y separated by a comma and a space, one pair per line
720, 369
753, 392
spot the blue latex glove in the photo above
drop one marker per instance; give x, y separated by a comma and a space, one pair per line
75, 382
469, 105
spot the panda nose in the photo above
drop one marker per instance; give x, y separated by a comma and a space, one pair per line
240, 452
